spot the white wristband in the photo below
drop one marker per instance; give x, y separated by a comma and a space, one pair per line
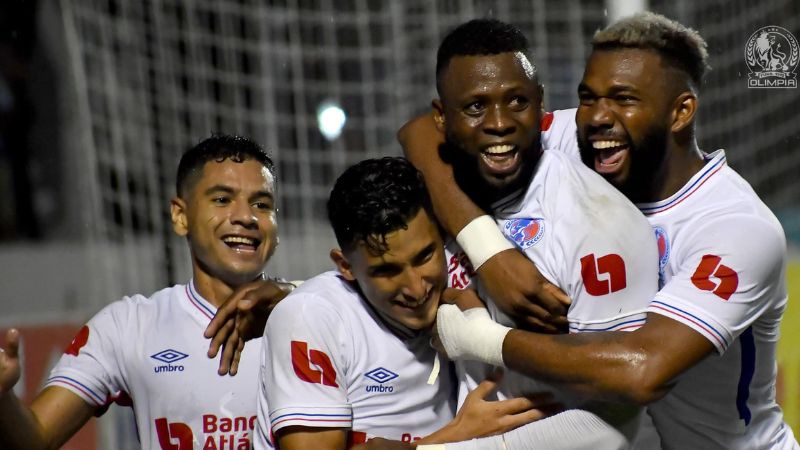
471, 335
481, 239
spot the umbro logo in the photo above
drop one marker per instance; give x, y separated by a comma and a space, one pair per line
169, 357
380, 376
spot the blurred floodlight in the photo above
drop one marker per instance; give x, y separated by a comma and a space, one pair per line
331, 119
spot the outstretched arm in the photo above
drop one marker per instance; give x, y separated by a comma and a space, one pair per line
53, 417
511, 279
633, 367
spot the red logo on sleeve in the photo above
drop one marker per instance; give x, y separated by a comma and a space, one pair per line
710, 267
612, 264
78, 341
302, 358
178, 431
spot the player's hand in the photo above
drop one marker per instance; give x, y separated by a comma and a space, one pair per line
519, 290
242, 317
9, 361
479, 417
383, 444
463, 298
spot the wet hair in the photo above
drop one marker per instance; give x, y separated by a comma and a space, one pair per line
680, 46
480, 37
218, 148
374, 198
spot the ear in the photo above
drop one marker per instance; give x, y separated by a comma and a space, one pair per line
342, 264
683, 111
180, 223
438, 114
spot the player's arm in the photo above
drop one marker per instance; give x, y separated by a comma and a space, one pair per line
242, 317
303, 438
53, 417
729, 277
511, 279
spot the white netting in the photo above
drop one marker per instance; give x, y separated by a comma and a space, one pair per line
152, 77
157, 76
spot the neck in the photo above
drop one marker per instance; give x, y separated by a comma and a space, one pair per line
679, 166
214, 290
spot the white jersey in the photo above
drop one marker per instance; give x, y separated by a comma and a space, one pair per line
331, 361
152, 351
559, 132
723, 263
585, 237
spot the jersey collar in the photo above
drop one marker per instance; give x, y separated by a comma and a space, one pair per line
714, 163
196, 305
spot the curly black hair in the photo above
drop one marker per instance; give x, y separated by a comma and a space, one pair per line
218, 147
480, 37
373, 198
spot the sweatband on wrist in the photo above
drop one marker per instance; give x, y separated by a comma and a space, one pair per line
471, 335
481, 239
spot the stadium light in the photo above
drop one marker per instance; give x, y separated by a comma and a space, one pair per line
331, 119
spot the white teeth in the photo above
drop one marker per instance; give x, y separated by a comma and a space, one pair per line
599, 145
499, 149
239, 240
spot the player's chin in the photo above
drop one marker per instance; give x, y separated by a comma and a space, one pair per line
421, 318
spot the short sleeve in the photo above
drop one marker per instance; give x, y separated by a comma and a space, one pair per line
90, 366
304, 374
731, 273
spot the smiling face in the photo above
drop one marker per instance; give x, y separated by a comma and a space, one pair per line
405, 282
228, 216
624, 117
490, 109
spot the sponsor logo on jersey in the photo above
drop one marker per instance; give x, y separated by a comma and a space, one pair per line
611, 264
524, 232
218, 433
727, 278
662, 240
460, 271
772, 55
169, 357
380, 376
312, 365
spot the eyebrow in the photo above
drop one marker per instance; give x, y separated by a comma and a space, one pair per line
229, 190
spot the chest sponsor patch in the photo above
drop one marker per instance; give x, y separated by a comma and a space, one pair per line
524, 232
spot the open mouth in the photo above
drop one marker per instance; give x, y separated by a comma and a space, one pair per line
500, 159
609, 155
241, 244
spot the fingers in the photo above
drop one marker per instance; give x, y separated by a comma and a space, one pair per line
228, 350
227, 311
11, 348
237, 356
221, 336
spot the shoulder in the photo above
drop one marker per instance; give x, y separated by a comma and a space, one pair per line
324, 297
129, 309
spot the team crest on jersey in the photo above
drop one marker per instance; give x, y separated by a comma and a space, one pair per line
169, 357
524, 232
663, 253
380, 376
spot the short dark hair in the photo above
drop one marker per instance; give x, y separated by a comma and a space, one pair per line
218, 147
480, 37
373, 198
679, 45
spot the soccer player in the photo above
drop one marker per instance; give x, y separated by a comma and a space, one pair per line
584, 236
149, 352
348, 355
704, 361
